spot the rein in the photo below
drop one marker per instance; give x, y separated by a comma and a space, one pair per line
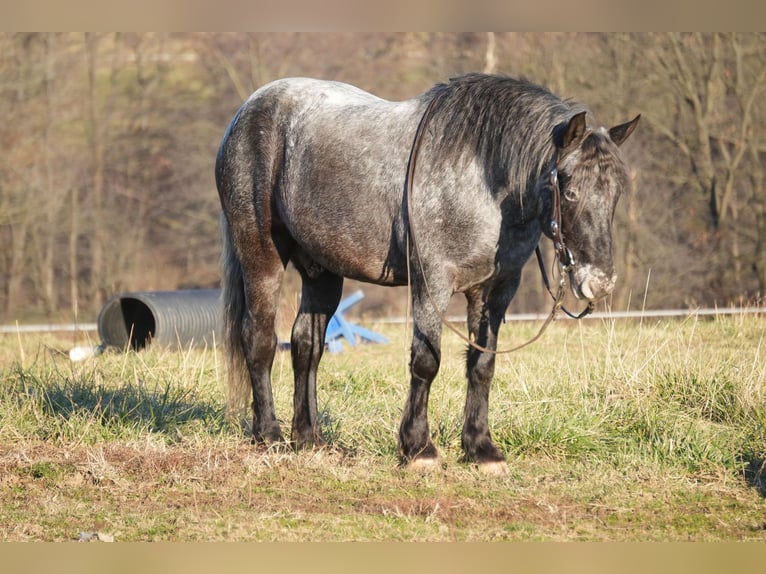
563, 256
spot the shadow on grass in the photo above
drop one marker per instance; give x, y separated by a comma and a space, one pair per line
755, 475
121, 409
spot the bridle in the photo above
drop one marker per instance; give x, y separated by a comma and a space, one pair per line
564, 257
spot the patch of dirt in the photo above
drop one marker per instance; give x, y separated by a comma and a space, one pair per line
190, 492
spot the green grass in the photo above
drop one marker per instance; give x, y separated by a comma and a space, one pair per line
652, 430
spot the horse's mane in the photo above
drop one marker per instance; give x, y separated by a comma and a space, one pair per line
508, 123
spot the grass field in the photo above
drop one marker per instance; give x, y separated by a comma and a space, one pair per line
614, 430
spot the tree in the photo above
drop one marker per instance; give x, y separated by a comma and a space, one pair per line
110, 140
718, 81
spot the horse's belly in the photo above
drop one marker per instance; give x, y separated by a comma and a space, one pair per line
357, 248
349, 224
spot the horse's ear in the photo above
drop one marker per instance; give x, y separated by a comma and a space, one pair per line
569, 134
620, 133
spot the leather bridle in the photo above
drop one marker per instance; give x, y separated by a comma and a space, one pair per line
564, 258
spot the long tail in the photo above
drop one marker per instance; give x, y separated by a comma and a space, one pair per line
238, 389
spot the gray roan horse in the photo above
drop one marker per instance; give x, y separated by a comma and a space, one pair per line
314, 172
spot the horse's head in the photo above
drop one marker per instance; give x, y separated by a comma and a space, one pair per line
591, 176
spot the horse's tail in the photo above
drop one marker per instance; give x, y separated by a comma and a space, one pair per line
233, 293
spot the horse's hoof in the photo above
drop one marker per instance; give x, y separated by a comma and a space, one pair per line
269, 435
423, 465
494, 468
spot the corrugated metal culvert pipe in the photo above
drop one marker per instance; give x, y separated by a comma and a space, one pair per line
165, 318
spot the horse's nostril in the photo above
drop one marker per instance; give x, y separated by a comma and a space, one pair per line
596, 284
585, 289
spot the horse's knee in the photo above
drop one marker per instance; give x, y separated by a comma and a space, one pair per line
306, 341
425, 360
480, 367
301, 334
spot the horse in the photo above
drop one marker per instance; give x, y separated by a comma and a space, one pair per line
315, 172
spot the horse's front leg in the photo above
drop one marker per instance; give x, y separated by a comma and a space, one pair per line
415, 445
319, 299
485, 314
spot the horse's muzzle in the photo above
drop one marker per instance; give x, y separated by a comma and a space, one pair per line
592, 284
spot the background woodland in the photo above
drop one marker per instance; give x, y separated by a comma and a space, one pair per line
109, 142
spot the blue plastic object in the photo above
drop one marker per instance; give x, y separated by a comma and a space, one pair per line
340, 328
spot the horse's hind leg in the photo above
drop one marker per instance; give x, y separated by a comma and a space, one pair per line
320, 297
256, 251
259, 341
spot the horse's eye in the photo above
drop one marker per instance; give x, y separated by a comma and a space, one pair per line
571, 194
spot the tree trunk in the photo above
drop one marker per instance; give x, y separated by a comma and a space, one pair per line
490, 60
15, 273
96, 146
759, 206
48, 263
74, 232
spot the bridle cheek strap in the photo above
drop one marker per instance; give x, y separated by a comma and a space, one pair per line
565, 259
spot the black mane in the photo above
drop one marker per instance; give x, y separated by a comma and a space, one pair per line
507, 122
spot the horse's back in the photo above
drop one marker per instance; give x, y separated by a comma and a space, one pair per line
336, 158
307, 91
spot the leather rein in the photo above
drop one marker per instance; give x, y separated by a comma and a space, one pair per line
564, 257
